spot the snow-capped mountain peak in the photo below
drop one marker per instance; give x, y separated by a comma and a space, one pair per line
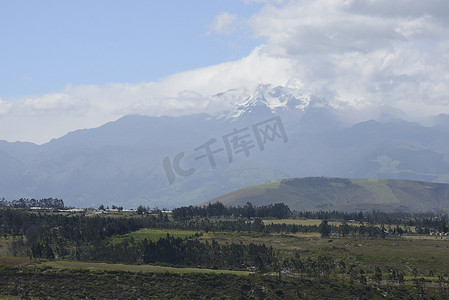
266, 98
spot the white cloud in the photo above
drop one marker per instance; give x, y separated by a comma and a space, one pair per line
186, 92
363, 52
54, 103
223, 24
4, 107
330, 26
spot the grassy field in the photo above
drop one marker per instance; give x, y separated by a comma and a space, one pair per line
13, 261
153, 234
417, 258
428, 256
92, 266
95, 266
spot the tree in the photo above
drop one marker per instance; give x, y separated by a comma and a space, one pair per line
249, 211
36, 250
344, 229
141, 210
324, 229
48, 252
3, 202
258, 225
280, 211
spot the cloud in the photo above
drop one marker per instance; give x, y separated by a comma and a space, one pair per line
4, 107
438, 9
223, 24
332, 26
186, 92
363, 52
55, 102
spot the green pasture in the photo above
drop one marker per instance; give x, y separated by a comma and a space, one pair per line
93, 266
428, 256
153, 234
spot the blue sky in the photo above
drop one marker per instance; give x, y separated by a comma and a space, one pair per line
47, 45
80, 64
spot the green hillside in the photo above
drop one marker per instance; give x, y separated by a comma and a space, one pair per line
322, 193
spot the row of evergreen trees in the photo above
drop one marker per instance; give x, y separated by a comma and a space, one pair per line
427, 219
277, 210
178, 251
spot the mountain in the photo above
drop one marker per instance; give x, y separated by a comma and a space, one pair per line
270, 134
321, 193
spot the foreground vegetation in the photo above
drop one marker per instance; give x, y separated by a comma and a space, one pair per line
63, 284
202, 254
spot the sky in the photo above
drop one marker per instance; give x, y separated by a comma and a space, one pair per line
67, 65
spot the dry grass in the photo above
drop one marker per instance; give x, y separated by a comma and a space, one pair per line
13, 261
425, 254
63, 264
425, 237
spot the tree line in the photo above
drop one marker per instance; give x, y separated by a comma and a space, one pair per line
423, 219
182, 252
28, 203
277, 210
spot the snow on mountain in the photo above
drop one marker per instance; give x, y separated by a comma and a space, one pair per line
265, 98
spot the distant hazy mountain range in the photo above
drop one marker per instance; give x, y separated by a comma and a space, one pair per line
272, 134
323, 193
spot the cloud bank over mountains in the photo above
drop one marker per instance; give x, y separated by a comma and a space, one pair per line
357, 53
